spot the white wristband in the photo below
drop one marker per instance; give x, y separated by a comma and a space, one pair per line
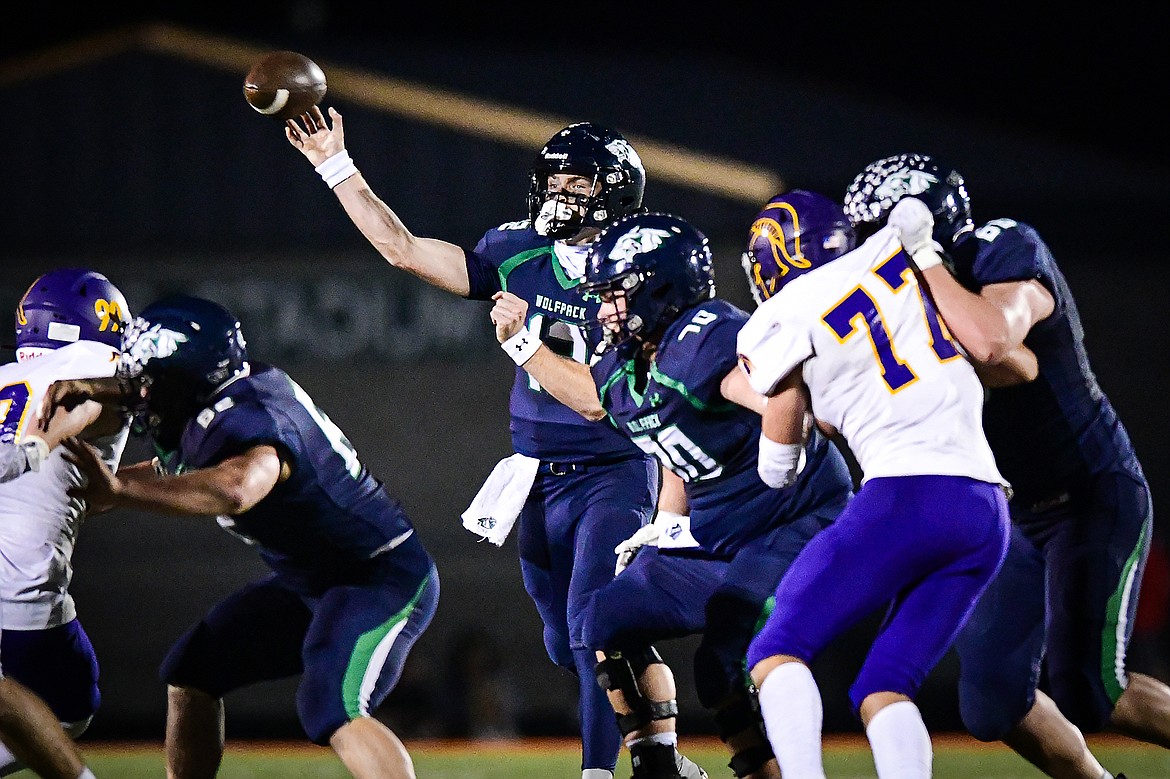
926, 257
778, 463
336, 169
521, 346
36, 450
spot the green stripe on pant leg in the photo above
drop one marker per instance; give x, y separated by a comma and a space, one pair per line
363, 651
1117, 609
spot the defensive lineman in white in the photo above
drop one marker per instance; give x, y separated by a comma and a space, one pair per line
853, 334
68, 326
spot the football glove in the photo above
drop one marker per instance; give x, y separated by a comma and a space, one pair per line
647, 535
913, 223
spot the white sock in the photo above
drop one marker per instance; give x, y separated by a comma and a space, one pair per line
901, 746
596, 773
791, 704
86, 774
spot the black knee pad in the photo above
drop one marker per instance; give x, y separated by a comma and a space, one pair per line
737, 715
721, 659
619, 672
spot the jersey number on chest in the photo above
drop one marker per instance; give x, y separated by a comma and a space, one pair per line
679, 453
13, 405
860, 311
565, 339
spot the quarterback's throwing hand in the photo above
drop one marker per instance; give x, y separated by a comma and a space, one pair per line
312, 136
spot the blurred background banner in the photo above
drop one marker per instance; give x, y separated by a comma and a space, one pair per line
130, 149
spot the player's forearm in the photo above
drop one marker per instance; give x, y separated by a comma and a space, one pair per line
178, 495
978, 324
1018, 367
736, 388
786, 411
672, 497
435, 262
230, 488
568, 381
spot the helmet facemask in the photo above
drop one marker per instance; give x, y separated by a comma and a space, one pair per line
620, 324
561, 213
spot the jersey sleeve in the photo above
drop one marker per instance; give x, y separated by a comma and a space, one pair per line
1010, 251
230, 432
483, 275
771, 344
706, 354
15, 459
602, 369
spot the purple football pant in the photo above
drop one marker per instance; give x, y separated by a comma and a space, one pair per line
922, 547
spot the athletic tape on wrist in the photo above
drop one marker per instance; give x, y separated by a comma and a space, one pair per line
35, 450
926, 257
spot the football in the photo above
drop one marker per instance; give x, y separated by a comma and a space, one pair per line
284, 84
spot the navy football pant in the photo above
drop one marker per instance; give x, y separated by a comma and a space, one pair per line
666, 594
349, 646
566, 535
1060, 613
922, 547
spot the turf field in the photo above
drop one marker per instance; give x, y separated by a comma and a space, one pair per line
956, 757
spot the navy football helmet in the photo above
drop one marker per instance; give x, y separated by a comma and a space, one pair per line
67, 305
883, 183
183, 349
598, 153
794, 233
660, 264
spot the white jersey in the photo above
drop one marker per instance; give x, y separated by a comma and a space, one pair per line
38, 520
878, 362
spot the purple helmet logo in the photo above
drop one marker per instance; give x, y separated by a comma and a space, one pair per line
68, 305
793, 233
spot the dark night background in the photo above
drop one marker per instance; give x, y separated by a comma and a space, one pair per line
152, 169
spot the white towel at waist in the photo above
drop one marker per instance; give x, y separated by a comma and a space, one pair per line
495, 508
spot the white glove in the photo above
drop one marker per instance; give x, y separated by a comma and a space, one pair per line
913, 223
647, 535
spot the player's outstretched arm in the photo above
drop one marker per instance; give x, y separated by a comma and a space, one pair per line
568, 381
323, 143
32, 449
231, 487
109, 392
989, 325
992, 325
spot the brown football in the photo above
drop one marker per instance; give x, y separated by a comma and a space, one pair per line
284, 84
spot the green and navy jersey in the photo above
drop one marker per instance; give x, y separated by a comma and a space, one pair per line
1051, 432
676, 411
330, 522
515, 258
